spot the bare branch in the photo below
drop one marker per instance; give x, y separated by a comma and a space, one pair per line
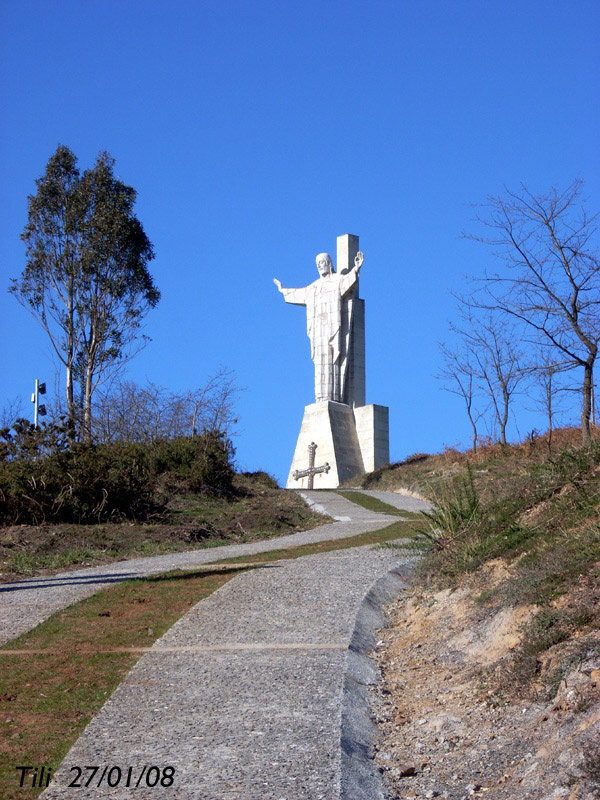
550, 275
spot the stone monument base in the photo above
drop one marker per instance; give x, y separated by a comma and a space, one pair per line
350, 440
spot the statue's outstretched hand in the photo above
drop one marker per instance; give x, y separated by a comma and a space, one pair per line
277, 284
358, 260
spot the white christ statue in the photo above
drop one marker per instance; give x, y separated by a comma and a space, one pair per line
328, 302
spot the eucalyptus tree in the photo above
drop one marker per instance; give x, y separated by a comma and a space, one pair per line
86, 279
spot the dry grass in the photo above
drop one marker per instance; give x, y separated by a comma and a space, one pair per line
426, 473
535, 513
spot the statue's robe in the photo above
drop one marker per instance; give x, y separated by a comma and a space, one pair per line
328, 302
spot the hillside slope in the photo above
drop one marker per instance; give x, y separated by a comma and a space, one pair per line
255, 509
491, 663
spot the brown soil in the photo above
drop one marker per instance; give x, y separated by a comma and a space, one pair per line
452, 724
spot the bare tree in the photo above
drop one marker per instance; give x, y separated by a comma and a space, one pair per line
11, 412
496, 359
549, 383
214, 403
550, 279
130, 412
458, 376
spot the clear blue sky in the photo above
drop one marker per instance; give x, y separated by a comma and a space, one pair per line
257, 132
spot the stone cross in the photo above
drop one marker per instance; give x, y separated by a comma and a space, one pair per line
312, 470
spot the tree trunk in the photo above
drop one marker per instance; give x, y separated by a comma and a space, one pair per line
87, 404
474, 426
549, 407
504, 420
71, 428
586, 411
70, 404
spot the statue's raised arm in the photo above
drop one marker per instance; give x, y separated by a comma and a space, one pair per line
296, 297
349, 279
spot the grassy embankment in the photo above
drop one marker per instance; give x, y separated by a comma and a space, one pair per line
256, 509
518, 527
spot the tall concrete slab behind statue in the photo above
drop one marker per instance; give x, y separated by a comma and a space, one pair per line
350, 436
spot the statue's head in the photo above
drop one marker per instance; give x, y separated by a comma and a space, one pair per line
324, 264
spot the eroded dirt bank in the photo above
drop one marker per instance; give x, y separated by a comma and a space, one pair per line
454, 721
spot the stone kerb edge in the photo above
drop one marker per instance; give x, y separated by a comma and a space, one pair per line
360, 778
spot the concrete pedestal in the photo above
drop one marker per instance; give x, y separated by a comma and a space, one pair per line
373, 431
350, 440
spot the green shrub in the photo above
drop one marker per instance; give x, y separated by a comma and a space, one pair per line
204, 461
107, 481
24, 441
261, 478
455, 512
85, 484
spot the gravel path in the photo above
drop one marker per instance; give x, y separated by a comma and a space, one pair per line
258, 692
24, 604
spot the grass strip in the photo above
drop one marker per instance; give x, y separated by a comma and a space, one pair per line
374, 504
47, 698
403, 529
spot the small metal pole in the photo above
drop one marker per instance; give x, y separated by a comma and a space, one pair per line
38, 410
36, 398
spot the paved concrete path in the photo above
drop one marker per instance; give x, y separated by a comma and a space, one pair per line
24, 604
259, 690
